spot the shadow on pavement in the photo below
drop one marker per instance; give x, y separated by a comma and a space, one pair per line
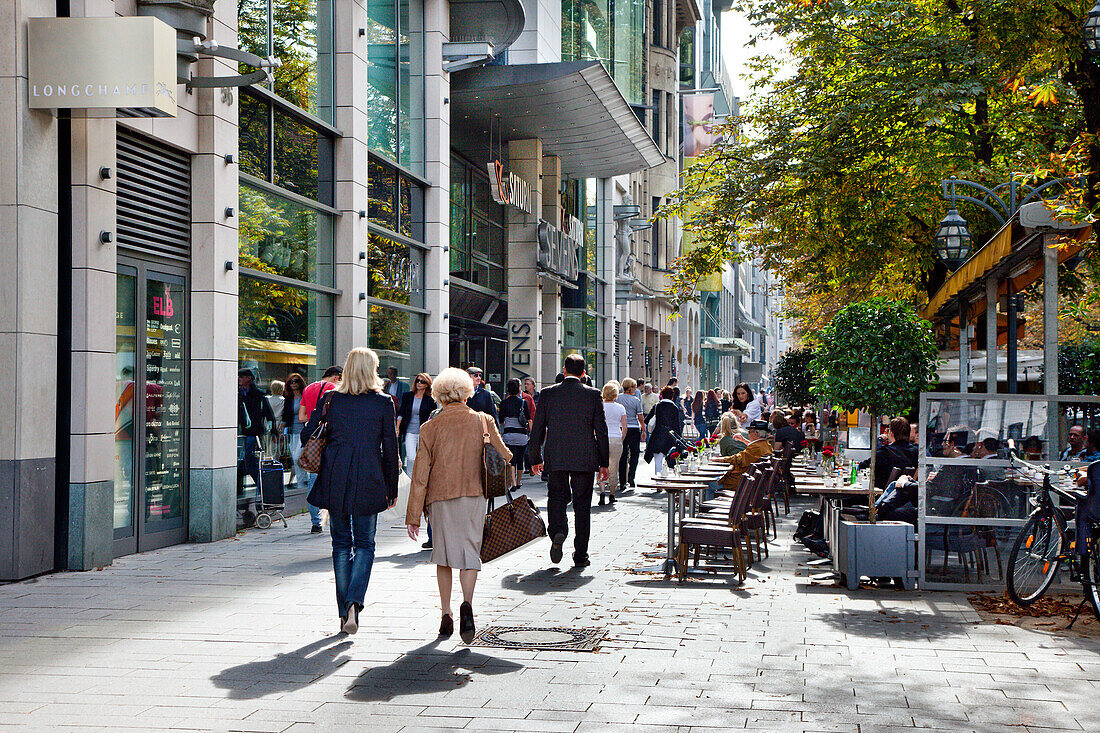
895, 623
426, 669
285, 672
547, 580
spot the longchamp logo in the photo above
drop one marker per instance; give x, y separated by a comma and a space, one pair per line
97, 90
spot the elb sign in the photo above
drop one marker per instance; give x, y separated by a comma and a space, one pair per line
102, 63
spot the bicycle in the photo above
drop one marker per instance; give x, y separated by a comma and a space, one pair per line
1041, 546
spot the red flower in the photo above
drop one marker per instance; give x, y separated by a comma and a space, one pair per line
805, 443
827, 452
674, 455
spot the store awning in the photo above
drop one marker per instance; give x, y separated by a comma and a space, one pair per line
728, 345
573, 107
277, 352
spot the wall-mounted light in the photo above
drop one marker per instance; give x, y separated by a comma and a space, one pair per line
362, 32
228, 265
362, 255
230, 159
446, 249
229, 212
446, 282
362, 296
362, 213
106, 237
104, 173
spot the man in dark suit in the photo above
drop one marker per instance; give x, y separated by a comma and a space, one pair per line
481, 400
570, 421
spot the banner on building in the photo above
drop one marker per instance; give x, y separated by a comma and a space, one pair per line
700, 126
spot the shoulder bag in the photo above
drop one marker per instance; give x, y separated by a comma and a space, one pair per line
494, 469
510, 527
313, 450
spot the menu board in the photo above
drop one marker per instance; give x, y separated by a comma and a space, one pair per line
165, 355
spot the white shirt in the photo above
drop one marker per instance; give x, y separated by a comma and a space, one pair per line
614, 413
753, 411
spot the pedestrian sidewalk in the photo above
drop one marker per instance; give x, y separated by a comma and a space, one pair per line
239, 635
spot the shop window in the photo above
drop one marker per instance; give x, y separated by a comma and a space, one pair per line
687, 58
281, 149
299, 34
395, 271
394, 201
478, 252
398, 337
395, 80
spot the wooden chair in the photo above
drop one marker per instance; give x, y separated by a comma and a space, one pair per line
727, 535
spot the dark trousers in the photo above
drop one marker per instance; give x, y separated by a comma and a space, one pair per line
563, 487
628, 463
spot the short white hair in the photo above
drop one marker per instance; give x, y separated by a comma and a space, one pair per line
452, 385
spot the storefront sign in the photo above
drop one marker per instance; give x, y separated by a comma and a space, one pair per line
522, 346
560, 249
509, 189
102, 63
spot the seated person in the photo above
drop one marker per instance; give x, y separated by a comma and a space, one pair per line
1092, 445
1087, 512
898, 454
787, 432
759, 446
728, 428
988, 448
1075, 450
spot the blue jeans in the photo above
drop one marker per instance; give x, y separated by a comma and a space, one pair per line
351, 567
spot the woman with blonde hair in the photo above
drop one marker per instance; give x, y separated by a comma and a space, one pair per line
615, 415
729, 430
446, 487
358, 476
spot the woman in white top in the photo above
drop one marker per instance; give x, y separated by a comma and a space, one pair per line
615, 414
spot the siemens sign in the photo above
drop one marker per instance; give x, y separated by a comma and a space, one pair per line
560, 249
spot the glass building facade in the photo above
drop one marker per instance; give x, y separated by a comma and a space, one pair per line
395, 80
611, 32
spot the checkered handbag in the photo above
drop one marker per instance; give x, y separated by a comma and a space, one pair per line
510, 527
313, 449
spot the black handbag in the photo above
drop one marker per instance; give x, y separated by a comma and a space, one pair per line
494, 469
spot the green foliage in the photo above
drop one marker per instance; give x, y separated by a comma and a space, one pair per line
831, 176
1079, 368
876, 355
794, 376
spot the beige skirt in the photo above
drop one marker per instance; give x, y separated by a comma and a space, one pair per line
457, 526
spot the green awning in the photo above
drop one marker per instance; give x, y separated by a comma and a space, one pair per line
728, 345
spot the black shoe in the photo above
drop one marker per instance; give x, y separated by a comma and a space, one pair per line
316, 529
602, 499
611, 499
555, 547
581, 562
446, 626
427, 545
466, 622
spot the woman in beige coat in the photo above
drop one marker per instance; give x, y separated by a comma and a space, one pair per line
446, 486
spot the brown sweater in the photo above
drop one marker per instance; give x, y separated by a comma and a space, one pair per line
448, 459
753, 452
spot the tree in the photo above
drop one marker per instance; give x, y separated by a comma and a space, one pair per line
794, 376
876, 356
832, 175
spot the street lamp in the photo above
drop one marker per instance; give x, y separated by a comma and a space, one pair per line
953, 240
1091, 32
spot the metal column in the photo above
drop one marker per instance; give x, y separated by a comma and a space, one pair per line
1050, 313
991, 288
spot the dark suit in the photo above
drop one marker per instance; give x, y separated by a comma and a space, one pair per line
482, 401
570, 429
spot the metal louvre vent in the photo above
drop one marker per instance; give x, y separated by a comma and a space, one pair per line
154, 197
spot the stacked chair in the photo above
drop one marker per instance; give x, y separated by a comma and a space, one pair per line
736, 522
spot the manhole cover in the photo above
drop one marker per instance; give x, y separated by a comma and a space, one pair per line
526, 637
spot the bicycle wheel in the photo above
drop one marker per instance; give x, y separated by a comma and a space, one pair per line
1091, 579
1034, 561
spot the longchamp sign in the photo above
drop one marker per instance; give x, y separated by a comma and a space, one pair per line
102, 63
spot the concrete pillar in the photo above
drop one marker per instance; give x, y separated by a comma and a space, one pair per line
28, 308
92, 414
552, 330
350, 314
525, 326
212, 476
991, 287
437, 168
605, 240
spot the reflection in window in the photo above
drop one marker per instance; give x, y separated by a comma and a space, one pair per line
398, 337
395, 99
394, 201
301, 159
283, 330
477, 229
280, 237
255, 137
612, 33
395, 271
299, 34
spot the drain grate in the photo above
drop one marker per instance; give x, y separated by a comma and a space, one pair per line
540, 638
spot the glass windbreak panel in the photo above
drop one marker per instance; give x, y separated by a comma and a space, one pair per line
976, 489
382, 77
955, 425
967, 554
255, 137
280, 237
296, 156
165, 357
283, 330
395, 271
398, 337
382, 195
125, 401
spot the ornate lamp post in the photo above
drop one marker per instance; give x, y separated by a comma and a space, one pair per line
953, 240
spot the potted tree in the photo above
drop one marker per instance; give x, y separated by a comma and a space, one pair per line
877, 356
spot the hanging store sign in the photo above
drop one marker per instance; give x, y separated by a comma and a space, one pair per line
629, 352
102, 63
560, 249
509, 189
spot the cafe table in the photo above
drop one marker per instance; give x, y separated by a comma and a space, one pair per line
676, 490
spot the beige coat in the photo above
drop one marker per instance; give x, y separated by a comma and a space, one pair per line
448, 459
753, 452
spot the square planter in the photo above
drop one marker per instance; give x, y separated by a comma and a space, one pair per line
881, 550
